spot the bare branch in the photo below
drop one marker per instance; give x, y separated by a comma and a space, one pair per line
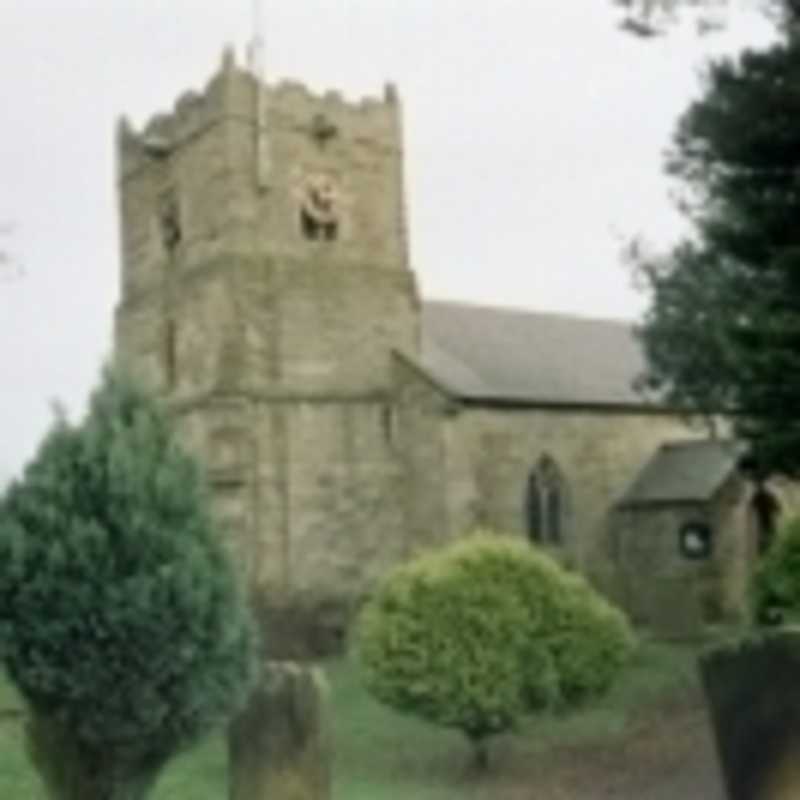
10, 268
648, 18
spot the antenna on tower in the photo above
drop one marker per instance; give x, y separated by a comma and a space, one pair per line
259, 70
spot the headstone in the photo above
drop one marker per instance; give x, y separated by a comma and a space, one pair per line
753, 689
280, 746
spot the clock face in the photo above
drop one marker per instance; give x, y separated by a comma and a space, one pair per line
320, 202
321, 199
696, 540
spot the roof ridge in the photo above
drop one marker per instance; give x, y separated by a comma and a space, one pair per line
567, 315
704, 440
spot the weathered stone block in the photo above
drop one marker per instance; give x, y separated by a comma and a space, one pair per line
754, 695
280, 746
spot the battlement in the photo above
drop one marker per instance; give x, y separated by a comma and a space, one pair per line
293, 93
231, 93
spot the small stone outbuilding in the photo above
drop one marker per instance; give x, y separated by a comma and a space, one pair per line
685, 537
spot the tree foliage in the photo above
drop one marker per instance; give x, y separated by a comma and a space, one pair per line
723, 331
649, 18
775, 588
481, 634
121, 622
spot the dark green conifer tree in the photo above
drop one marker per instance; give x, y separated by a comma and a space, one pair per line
723, 332
121, 622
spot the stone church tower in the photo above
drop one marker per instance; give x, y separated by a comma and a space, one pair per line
266, 293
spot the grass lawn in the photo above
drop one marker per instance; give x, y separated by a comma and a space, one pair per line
382, 755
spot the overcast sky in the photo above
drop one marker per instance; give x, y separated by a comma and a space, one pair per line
534, 132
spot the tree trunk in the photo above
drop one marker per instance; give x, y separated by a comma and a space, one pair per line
279, 747
480, 752
68, 774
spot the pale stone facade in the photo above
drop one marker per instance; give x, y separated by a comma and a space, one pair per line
266, 292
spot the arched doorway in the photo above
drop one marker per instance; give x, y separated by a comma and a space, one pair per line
765, 509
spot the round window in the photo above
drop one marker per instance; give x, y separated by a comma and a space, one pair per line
695, 540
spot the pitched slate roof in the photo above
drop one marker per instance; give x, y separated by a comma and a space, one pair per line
498, 354
691, 471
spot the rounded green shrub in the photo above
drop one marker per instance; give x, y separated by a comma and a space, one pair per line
590, 642
577, 641
478, 635
437, 643
121, 622
775, 588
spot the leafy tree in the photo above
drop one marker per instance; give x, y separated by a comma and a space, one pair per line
775, 588
723, 332
648, 18
121, 622
481, 634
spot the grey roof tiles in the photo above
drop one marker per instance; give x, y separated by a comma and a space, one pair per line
690, 472
498, 354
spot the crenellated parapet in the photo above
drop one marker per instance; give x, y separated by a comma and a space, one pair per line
293, 97
228, 93
231, 94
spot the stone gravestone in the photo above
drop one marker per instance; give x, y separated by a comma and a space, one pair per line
279, 747
753, 689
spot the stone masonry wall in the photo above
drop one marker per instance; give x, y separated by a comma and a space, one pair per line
282, 328
491, 453
306, 494
201, 160
657, 585
419, 428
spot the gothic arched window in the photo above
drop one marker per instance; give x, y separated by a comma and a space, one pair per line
533, 507
545, 503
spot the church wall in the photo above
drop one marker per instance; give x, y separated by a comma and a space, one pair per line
308, 495
329, 330
290, 328
234, 182
139, 344
491, 453
345, 515
657, 585
737, 551
674, 594
421, 411
298, 315
364, 158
